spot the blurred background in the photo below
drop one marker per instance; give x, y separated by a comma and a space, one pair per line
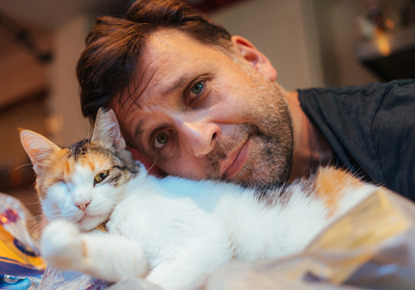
312, 43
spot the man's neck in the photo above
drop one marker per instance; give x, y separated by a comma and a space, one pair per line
310, 147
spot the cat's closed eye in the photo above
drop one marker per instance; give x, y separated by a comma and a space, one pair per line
101, 176
53, 181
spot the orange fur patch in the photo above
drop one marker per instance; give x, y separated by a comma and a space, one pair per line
57, 168
331, 184
60, 167
95, 162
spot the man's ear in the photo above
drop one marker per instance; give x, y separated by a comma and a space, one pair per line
251, 54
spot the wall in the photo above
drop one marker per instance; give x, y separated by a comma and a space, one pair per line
67, 125
283, 31
39, 97
311, 43
338, 37
24, 88
21, 73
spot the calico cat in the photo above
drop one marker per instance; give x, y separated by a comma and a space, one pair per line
172, 230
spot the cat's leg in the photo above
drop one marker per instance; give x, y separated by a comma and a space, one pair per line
187, 266
104, 256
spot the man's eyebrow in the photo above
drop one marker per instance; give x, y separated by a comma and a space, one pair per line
177, 84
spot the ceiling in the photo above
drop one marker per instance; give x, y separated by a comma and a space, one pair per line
40, 17
43, 16
35, 21
49, 14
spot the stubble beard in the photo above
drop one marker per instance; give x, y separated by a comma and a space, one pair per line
270, 136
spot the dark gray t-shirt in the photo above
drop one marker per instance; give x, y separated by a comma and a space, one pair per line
371, 130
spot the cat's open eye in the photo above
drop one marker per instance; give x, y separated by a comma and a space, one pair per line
101, 176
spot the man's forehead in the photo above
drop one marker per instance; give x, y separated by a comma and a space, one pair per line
169, 59
170, 46
163, 60
164, 44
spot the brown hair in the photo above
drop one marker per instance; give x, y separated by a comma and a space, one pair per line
110, 59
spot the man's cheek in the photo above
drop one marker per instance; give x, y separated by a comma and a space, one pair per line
149, 165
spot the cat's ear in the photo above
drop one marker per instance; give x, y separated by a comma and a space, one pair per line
107, 131
38, 148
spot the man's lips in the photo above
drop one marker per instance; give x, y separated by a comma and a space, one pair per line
235, 161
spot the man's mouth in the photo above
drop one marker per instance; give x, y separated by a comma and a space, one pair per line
236, 160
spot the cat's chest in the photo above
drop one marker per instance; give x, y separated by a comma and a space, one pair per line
136, 215
156, 221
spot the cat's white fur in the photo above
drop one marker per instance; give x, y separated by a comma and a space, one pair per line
174, 230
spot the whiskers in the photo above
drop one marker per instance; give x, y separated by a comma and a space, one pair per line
36, 225
109, 203
152, 165
51, 166
117, 200
36, 203
89, 135
38, 222
21, 166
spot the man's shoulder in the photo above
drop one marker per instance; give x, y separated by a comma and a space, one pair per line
371, 127
358, 104
356, 89
339, 95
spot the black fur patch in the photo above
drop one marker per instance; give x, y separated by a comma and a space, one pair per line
79, 148
114, 179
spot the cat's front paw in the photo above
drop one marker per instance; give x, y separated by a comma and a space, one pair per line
62, 245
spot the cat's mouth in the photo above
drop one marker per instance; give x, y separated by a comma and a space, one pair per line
86, 216
88, 222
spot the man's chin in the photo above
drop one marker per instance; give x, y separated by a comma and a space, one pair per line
260, 175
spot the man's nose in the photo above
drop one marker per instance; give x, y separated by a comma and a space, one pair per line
201, 136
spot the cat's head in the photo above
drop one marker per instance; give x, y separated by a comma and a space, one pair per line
84, 182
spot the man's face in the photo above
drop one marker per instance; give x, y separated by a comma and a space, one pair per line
199, 113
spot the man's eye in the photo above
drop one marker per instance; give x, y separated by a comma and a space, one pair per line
101, 176
161, 139
197, 88
195, 92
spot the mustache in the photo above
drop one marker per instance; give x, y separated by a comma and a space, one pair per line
226, 145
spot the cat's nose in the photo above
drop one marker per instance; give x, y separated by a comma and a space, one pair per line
82, 205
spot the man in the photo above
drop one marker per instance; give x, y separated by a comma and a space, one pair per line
199, 103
